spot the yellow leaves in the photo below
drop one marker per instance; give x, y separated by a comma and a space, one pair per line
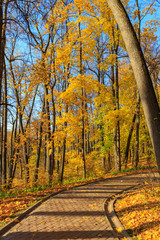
94, 206
119, 229
140, 209
50, 152
113, 116
63, 54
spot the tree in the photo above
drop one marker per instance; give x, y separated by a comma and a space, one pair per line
142, 76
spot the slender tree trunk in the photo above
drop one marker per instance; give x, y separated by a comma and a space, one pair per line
53, 131
103, 150
101, 123
25, 155
138, 96
39, 147
13, 163
4, 144
143, 80
118, 159
49, 143
1, 47
115, 90
129, 140
83, 106
137, 132
62, 161
3, 22
1, 136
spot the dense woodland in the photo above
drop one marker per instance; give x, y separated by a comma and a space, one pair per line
69, 100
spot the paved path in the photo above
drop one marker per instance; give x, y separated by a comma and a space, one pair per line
74, 214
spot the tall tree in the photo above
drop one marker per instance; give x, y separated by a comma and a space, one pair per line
142, 76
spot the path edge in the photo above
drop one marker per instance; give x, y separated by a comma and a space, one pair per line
112, 216
16, 220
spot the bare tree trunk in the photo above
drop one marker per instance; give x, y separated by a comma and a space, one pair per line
144, 82
1, 136
3, 22
1, 47
118, 159
13, 163
48, 148
62, 161
53, 131
25, 155
83, 106
138, 96
137, 132
129, 140
115, 90
4, 142
39, 147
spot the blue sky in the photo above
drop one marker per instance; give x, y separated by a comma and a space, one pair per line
156, 14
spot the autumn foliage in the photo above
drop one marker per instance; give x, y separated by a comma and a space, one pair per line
139, 212
70, 92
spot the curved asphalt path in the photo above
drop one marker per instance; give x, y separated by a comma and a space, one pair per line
77, 213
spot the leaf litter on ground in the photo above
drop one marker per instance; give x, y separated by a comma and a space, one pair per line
139, 212
14, 205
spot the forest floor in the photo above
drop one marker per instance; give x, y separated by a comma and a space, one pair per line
139, 212
132, 209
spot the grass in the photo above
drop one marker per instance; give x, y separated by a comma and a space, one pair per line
133, 169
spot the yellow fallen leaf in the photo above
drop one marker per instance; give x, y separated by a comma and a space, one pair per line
99, 235
119, 229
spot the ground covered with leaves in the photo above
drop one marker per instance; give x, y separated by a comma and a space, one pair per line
15, 201
139, 212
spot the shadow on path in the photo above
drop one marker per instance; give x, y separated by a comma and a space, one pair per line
61, 235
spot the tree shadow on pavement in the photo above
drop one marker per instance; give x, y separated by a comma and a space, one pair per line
61, 235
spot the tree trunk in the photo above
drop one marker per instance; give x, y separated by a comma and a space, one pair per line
1, 46
83, 106
138, 96
25, 155
48, 147
137, 132
129, 140
13, 163
118, 159
143, 80
39, 147
4, 142
53, 131
115, 90
62, 161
